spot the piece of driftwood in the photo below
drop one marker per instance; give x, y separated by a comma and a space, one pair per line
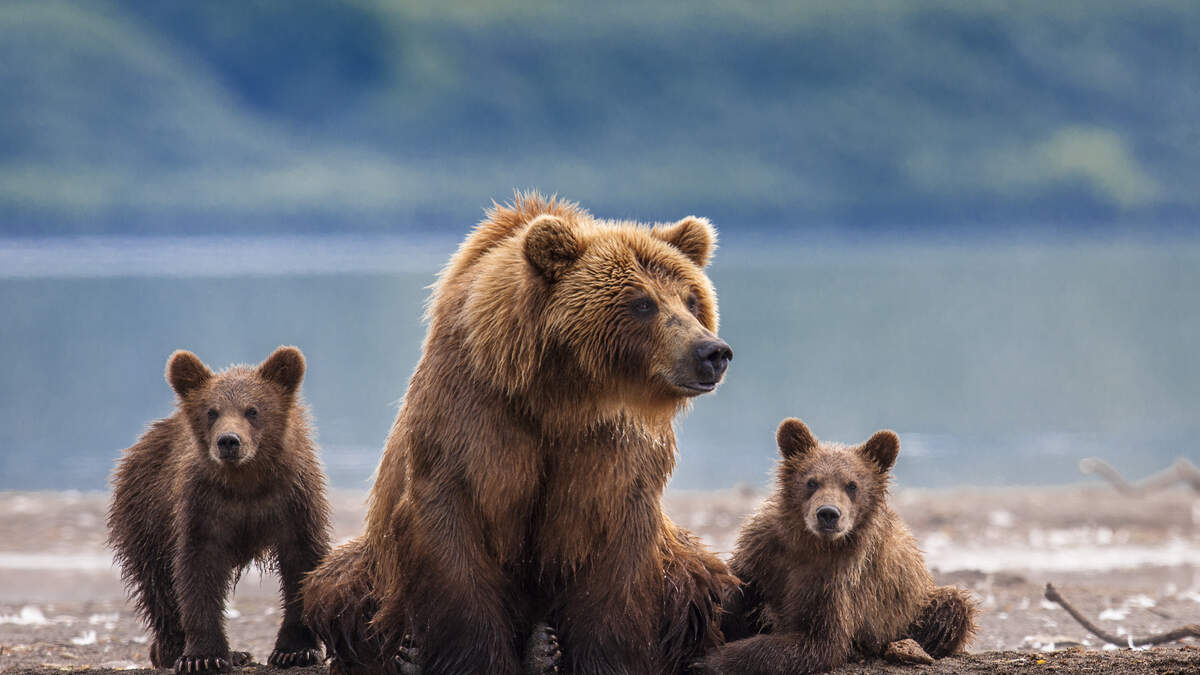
1182, 471
1190, 630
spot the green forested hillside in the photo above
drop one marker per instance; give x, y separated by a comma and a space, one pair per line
145, 116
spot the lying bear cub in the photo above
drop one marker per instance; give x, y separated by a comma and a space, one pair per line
231, 477
829, 569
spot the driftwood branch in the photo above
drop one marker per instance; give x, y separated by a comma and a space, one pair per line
1182, 471
1190, 630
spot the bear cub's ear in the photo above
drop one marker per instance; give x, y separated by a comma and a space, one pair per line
284, 367
186, 372
882, 449
551, 246
695, 237
794, 438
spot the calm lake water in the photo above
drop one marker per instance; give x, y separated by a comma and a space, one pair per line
997, 365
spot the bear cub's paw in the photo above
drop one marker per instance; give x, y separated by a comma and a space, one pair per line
299, 658
211, 664
543, 655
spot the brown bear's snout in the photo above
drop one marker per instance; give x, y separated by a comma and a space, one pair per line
712, 358
828, 516
229, 447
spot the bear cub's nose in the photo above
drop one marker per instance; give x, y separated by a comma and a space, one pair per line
828, 516
712, 357
229, 446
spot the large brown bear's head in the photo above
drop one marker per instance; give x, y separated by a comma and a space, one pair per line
630, 304
576, 317
830, 489
240, 413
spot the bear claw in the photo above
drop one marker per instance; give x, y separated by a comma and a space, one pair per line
211, 664
543, 654
300, 658
201, 664
408, 657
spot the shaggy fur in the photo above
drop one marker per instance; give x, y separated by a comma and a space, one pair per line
820, 588
190, 508
523, 476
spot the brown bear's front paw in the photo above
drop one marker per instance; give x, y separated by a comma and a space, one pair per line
203, 664
239, 658
543, 656
408, 658
300, 658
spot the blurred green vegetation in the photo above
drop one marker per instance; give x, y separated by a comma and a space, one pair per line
144, 116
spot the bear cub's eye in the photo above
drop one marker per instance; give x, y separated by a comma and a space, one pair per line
213, 415
251, 413
813, 484
643, 308
851, 488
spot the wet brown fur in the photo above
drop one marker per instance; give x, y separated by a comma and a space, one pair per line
182, 523
523, 475
813, 599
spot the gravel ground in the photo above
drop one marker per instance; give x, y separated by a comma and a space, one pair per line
1132, 564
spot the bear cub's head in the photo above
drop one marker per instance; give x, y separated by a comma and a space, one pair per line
239, 412
832, 488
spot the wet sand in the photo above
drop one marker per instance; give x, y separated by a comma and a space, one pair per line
1131, 564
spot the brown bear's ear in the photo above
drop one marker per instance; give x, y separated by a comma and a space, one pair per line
551, 246
794, 438
284, 367
694, 236
882, 449
186, 372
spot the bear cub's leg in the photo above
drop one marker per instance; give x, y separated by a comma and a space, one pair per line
203, 572
157, 600
296, 645
945, 623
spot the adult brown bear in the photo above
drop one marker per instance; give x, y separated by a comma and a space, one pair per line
523, 476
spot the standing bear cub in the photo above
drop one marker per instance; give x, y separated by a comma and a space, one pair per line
829, 569
230, 478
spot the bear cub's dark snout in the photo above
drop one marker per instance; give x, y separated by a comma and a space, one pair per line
827, 517
712, 358
229, 447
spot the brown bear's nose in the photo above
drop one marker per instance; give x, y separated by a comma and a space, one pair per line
828, 516
229, 446
712, 357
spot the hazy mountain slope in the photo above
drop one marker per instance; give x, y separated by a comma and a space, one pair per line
147, 116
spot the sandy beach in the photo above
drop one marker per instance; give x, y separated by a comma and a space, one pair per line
1131, 564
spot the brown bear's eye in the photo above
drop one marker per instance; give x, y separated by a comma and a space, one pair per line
851, 488
643, 308
212, 414
251, 414
692, 304
813, 484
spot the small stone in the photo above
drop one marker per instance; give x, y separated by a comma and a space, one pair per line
908, 652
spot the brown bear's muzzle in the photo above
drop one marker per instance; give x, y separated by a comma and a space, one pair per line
709, 359
712, 357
